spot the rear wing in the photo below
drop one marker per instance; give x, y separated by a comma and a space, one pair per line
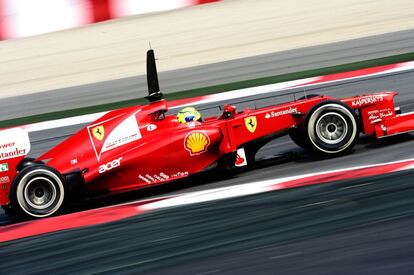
14, 146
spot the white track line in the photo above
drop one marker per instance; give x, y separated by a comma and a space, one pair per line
307, 82
252, 188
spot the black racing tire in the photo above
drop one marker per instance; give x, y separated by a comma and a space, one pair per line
26, 162
299, 138
298, 134
38, 191
331, 128
308, 96
8, 211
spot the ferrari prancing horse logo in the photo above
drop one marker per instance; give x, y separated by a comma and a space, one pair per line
251, 123
98, 132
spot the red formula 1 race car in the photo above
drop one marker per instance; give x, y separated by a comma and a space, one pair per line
141, 146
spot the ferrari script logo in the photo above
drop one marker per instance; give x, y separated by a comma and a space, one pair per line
98, 132
196, 143
251, 123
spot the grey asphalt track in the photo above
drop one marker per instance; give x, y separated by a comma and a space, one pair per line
333, 228
348, 227
163, 237
212, 74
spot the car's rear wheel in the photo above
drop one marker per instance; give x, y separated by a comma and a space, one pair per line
331, 128
38, 191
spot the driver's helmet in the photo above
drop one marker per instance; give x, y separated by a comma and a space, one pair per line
188, 114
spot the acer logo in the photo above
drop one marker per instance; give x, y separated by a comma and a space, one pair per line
110, 165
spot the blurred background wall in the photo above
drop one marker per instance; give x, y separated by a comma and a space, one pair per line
22, 18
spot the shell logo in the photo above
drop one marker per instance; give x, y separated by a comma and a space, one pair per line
196, 143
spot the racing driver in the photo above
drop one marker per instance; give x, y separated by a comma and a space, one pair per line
189, 114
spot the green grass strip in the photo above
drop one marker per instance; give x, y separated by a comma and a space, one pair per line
212, 89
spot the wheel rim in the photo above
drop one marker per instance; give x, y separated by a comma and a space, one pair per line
331, 128
343, 139
40, 193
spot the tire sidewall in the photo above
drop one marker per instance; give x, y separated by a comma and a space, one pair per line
298, 136
17, 198
347, 113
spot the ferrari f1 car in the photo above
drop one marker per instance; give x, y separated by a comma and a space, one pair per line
142, 146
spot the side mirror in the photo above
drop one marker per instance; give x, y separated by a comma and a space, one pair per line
228, 112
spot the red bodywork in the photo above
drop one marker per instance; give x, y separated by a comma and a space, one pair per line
138, 147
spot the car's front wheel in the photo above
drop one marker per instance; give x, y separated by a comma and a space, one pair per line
38, 191
331, 128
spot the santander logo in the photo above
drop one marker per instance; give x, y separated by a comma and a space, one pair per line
14, 143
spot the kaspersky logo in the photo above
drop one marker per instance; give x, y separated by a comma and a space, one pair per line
196, 143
